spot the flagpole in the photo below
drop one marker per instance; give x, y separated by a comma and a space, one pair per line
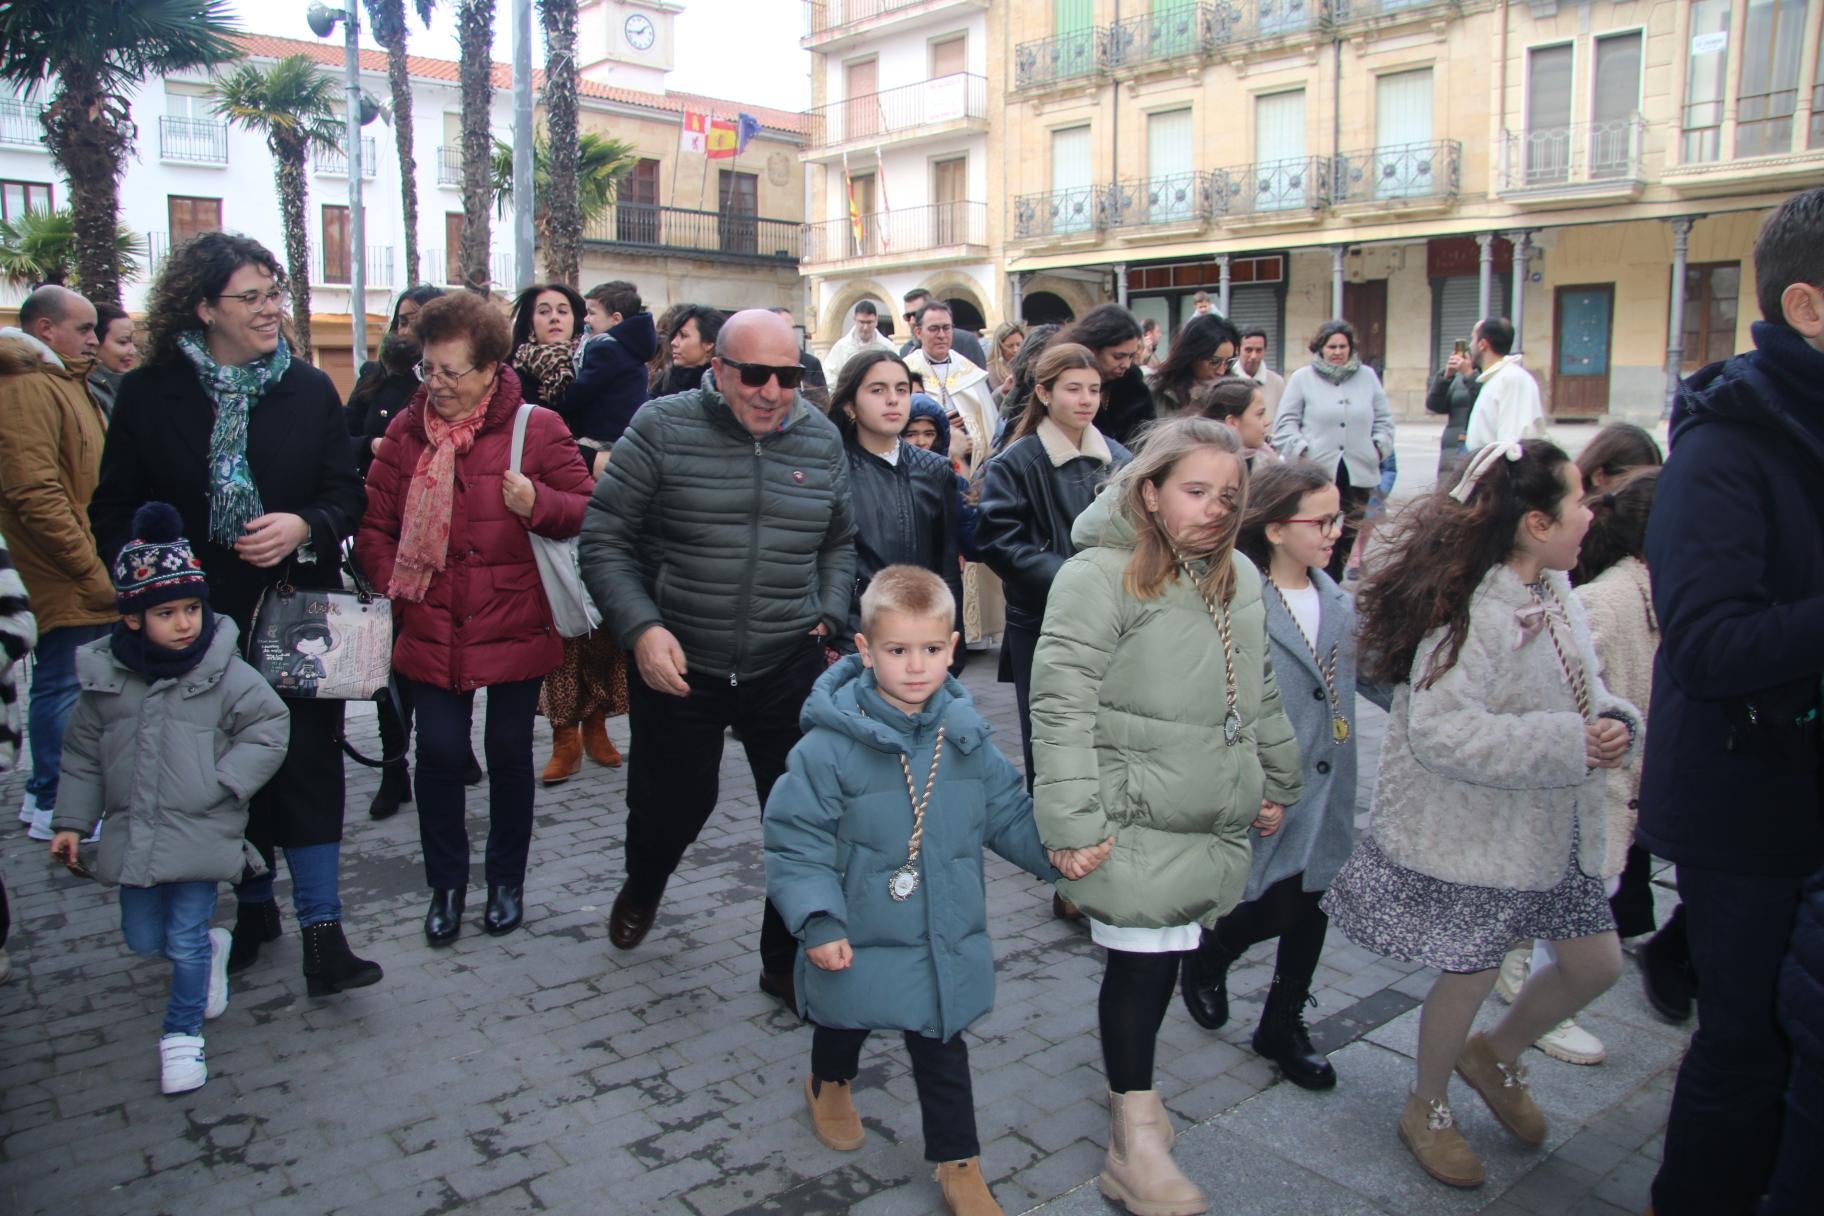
709, 128
683, 129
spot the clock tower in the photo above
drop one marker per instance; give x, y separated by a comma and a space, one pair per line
627, 43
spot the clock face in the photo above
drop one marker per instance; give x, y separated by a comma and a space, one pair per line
640, 33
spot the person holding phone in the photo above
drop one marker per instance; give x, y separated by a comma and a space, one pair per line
1453, 394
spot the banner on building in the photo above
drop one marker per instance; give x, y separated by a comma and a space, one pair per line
723, 143
694, 134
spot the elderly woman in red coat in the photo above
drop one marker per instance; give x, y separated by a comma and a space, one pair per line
447, 536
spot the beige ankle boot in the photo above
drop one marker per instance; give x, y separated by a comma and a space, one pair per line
965, 1190
833, 1116
1430, 1131
1139, 1173
1503, 1086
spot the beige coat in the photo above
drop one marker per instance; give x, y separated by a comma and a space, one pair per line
1619, 602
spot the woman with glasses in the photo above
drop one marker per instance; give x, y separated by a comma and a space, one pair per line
1201, 354
448, 538
248, 442
1334, 413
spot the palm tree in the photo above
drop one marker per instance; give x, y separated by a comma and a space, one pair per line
475, 35
601, 163
561, 231
387, 20
40, 247
97, 52
294, 106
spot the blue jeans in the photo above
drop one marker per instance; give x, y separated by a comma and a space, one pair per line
171, 921
54, 690
315, 888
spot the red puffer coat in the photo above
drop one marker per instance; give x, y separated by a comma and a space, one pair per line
484, 620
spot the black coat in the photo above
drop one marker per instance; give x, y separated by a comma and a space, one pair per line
1802, 985
1028, 505
905, 514
611, 383
368, 419
1730, 783
1455, 396
680, 379
1127, 406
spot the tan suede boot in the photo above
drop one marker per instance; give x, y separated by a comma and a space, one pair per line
833, 1116
566, 755
1139, 1173
965, 1190
1503, 1087
1430, 1131
596, 743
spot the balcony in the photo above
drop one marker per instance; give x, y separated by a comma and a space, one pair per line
1382, 12
832, 24
1238, 24
905, 115
1574, 166
19, 125
1161, 36
652, 229
449, 166
927, 234
333, 162
1078, 57
1160, 206
439, 266
197, 141
334, 270
1078, 215
1400, 179
1271, 194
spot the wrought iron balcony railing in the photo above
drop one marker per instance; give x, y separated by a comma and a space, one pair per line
19, 123
1401, 171
894, 112
1179, 198
828, 16
1233, 21
440, 266
907, 230
1069, 212
334, 161
199, 140
334, 269
1271, 187
1060, 58
1164, 33
1571, 156
649, 226
449, 165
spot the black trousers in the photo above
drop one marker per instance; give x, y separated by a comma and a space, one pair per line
940, 1069
1355, 501
1286, 911
1725, 1125
443, 720
672, 770
1017, 648
302, 804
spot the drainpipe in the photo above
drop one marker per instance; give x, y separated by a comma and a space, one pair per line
1336, 279
1114, 148
1222, 282
1336, 126
1485, 292
1675, 337
1019, 297
1121, 284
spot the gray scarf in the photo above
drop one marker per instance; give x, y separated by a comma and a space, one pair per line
1333, 373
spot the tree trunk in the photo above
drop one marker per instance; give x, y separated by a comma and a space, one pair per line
563, 219
288, 175
401, 81
87, 133
475, 33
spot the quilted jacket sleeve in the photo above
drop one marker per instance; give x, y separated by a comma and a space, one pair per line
1012, 831
613, 523
562, 479
1082, 626
377, 539
799, 830
836, 556
259, 726
81, 801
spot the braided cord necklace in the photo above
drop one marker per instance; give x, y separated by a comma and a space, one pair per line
1573, 671
1339, 724
903, 881
1231, 721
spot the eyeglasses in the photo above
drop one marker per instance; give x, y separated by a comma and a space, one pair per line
1222, 365
256, 300
427, 373
755, 375
1326, 524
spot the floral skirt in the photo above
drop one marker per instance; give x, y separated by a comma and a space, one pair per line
1410, 916
592, 679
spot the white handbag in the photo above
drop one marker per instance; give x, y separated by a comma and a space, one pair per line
559, 567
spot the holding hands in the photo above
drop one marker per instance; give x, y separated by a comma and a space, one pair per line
1605, 742
1272, 814
1078, 863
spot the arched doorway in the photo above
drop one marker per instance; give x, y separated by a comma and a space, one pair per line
1045, 308
966, 315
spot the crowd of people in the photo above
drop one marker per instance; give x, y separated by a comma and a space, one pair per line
1164, 542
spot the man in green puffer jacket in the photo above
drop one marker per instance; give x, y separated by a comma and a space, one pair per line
718, 546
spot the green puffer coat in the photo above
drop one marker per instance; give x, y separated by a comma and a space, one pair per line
739, 546
1127, 708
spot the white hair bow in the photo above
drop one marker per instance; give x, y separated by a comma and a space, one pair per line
1481, 462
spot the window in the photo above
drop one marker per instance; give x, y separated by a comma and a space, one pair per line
1402, 135
949, 189
189, 101
1711, 294
1770, 77
738, 205
636, 212
1279, 181
1548, 114
1171, 194
17, 198
948, 57
1073, 207
861, 197
861, 113
1074, 24
191, 216
336, 259
1614, 106
1704, 77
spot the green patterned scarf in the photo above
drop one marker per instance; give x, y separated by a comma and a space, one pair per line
234, 501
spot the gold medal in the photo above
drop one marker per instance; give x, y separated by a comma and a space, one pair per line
1339, 728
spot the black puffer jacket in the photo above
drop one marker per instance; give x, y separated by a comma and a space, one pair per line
739, 546
1031, 495
905, 513
1127, 406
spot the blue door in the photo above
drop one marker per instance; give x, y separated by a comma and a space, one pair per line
1580, 364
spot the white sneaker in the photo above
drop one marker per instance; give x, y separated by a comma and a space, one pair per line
41, 825
28, 807
219, 942
1572, 1043
183, 1069
1513, 973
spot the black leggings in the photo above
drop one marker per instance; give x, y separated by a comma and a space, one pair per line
1136, 992
1286, 911
940, 1070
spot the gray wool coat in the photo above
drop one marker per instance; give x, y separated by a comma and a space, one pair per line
171, 763
1318, 831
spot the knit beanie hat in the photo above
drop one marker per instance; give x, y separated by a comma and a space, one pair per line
157, 566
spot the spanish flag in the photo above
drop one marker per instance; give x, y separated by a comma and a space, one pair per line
723, 139
856, 227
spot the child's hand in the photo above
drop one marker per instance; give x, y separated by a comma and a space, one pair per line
1079, 863
1605, 742
831, 956
1271, 816
63, 847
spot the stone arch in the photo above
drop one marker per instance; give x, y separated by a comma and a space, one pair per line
831, 323
950, 285
1077, 296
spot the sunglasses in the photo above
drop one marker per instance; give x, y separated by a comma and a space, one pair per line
755, 375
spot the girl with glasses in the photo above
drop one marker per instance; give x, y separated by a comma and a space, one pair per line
1200, 355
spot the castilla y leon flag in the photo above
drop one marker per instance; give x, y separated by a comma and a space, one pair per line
722, 139
695, 133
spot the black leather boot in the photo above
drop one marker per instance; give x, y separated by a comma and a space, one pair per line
471, 772
1204, 981
505, 910
1283, 1039
1665, 964
330, 966
443, 923
255, 924
395, 790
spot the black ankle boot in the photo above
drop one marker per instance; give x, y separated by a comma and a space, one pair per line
255, 924
1204, 981
395, 790
1665, 963
443, 922
505, 910
330, 966
1283, 1039
472, 773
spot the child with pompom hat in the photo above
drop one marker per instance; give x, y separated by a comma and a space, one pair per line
171, 735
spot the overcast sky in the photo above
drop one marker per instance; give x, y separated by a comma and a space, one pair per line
746, 50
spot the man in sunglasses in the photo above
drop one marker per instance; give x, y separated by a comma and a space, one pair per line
719, 547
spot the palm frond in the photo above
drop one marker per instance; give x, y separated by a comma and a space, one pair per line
115, 43
40, 247
291, 102
601, 162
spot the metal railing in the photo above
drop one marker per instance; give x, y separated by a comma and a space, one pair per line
334, 161
1343, 11
928, 103
1399, 171
1271, 187
449, 166
681, 229
158, 248
1060, 58
909, 230
1256, 20
1178, 198
1563, 156
1183, 29
1066, 212
200, 140
337, 271
19, 122
439, 266
825, 16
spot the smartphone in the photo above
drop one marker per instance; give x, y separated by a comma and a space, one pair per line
78, 869
1460, 346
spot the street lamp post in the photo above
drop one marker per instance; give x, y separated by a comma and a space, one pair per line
323, 21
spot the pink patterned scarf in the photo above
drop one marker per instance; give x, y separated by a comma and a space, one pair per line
424, 535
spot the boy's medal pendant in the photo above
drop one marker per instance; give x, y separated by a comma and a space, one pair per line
1231, 728
902, 882
1339, 727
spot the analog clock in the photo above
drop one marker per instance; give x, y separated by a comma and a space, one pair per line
639, 31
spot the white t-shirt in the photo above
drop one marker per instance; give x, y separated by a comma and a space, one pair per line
1306, 608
